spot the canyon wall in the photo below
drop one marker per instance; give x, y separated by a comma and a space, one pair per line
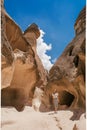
67, 75
22, 69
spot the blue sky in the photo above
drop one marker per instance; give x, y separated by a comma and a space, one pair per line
55, 17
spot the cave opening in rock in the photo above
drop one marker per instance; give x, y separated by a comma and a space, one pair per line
76, 61
66, 98
70, 50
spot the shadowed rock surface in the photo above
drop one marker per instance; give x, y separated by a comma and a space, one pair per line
5, 46
67, 75
25, 70
22, 69
31, 34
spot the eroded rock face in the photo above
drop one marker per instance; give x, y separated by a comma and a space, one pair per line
15, 36
20, 78
31, 34
25, 70
80, 22
68, 73
5, 46
15, 97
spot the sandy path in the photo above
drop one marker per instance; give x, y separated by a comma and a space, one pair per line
32, 120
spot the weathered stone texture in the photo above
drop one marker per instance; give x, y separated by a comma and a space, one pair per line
68, 73
25, 70
22, 69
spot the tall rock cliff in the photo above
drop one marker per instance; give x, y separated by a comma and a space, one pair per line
25, 70
68, 73
31, 34
22, 69
5, 46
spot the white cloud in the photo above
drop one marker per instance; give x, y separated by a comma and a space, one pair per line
54, 60
42, 48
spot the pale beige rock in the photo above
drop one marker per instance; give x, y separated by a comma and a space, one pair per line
31, 34
26, 70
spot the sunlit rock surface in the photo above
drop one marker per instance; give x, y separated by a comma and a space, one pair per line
68, 73
22, 69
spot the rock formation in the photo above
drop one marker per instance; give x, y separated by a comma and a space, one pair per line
25, 70
31, 34
22, 69
68, 73
6, 48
